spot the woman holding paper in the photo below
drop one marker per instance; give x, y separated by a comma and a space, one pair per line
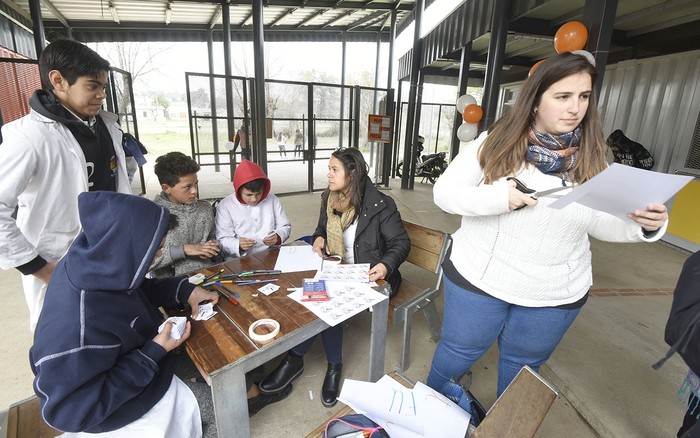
518, 271
361, 225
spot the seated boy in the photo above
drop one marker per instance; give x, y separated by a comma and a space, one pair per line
250, 219
191, 244
100, 363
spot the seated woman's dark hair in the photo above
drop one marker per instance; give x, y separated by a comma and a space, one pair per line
356, 168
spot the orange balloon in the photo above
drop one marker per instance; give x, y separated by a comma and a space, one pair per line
472, 113
571, 36
534, 67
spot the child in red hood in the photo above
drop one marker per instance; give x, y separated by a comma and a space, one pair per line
250, 219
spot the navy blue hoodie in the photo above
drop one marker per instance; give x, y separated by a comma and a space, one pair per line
97, 368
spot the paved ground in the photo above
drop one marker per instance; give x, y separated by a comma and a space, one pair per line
601, 368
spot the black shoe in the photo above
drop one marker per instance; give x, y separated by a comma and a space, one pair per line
262, 400
331, 385
290, 368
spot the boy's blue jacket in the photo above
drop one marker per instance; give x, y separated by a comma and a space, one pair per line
97, 368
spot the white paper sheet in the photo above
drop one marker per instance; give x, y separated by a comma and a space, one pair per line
404, 412
297, 258
346, 300
620, 190
357, 273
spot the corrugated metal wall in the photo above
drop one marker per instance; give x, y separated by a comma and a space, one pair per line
656, 102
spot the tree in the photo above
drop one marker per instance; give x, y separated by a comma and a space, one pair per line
161, 101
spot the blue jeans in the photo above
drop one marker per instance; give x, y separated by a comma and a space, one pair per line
332, 338
472, 323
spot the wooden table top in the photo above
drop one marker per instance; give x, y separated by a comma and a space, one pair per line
218, 342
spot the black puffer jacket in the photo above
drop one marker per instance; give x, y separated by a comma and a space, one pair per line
380, 235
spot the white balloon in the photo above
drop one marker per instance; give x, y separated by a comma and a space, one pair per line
229, 145
464, 101
467, 131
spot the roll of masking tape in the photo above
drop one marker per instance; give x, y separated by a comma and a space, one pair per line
332, 260
263, 322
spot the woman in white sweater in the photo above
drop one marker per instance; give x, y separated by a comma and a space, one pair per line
518, 271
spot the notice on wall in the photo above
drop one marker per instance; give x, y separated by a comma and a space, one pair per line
379, 128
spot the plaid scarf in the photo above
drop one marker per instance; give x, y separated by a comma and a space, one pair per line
553, 154
336, 224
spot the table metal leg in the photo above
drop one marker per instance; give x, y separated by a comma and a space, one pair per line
230, 403
377, 349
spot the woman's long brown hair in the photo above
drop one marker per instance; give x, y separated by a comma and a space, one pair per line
505, 148
356, 168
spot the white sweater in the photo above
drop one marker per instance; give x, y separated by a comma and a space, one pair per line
235, 220
535, 256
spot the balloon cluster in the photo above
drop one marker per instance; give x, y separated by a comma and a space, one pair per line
472, 114
570, 37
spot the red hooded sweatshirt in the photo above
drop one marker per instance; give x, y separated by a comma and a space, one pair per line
246, 172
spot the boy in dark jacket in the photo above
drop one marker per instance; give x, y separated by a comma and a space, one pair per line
99, 361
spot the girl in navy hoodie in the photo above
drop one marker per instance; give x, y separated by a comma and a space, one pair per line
99, 361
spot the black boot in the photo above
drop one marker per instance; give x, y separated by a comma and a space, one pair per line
262, 400
331, 385
290, 368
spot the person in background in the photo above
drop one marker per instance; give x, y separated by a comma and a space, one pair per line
65, 146
243, 140
251, 218
191, 245
518, 271
101, 366
362, 225
281, 142
298, 143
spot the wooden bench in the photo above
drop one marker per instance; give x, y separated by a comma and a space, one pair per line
428, 249
518, 412
24, 421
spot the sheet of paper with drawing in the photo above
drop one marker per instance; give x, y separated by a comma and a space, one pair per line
346, 300
297, 258
404, 412
358, 272
621, 189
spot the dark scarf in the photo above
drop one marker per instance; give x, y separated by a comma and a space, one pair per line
95, 143
552, 154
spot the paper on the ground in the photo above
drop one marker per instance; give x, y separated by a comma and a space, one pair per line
404, 412
620, 190
346, 300
297, 258
358, 273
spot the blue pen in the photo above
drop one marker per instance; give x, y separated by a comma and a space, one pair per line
228, 290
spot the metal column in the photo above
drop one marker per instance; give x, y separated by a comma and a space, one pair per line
494, 60
462, 89
37, 26
259, 54
226, 19
416, 129
342, 88
408, 153
599, 17
212, 91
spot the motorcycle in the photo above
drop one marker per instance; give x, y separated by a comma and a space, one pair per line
429, 166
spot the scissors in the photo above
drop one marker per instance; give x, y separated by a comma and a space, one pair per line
535, 194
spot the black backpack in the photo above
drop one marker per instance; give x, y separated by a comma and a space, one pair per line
683, 326
629, 152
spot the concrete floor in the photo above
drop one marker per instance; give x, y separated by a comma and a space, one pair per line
601, 368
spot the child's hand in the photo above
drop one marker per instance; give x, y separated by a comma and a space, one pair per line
203, 251
271, 239
200, 295
164, 340
246, 243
